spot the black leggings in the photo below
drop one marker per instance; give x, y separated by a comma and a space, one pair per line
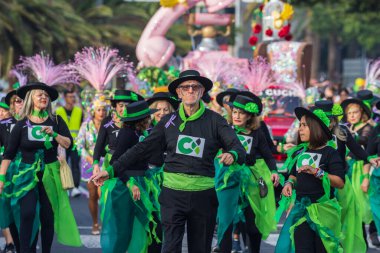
15, 237
307, 240
28, 205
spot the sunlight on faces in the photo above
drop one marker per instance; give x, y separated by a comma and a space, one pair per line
304, 130
100, 113
190, 92
353, 113
239, 117
163, 108
120, 106
40, 99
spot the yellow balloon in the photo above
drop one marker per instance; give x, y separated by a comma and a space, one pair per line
359, 82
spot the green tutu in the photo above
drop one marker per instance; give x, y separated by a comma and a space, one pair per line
128, 225
25, 179
362, 198
353, 241
6, 214
374, 198
264, 208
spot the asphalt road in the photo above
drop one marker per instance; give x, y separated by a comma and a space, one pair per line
91, 242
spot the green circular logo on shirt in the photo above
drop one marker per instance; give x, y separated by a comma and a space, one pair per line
36, 132
305, 159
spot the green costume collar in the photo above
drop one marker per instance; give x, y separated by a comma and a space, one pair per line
241, 130
193, 117
40, 114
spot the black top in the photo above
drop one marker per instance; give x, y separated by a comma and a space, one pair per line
327, 159
191, 151
373, 147
127, 138
107, 135
6, 126
268, 137
257, 147
27, 139
356, 150
361, 137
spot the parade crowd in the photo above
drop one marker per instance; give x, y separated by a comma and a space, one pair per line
157, 166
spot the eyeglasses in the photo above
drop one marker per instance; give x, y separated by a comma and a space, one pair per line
194, 87
18, 101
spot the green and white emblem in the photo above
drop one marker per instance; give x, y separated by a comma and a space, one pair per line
246, 141
191, 146
35, 134
311, 159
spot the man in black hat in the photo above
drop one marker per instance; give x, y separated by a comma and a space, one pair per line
192, 136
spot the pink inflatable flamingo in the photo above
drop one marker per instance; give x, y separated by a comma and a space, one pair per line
153, 49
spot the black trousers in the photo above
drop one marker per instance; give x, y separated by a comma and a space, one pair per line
195, 210
73, 160
15, 237
28, 205
307, 240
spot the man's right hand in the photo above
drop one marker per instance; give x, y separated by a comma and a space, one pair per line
96, 169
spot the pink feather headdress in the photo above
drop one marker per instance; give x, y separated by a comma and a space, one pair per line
373, 73
22, 79
98, 66
258, 76
44, 70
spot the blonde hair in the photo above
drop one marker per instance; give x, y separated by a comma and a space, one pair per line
11, 105
28, 106
155, 103
364, 117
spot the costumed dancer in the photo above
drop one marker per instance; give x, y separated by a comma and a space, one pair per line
313, 224
258, 200
37, 196
342, 140
73, 117
164, 102
358, 114
85, 142
7, 122
131, 217
373, 149
192, 136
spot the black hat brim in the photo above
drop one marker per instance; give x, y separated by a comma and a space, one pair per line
52, 92
139, 98
171, 101
255, 99
9, 96
348, 101
220, 96
300, 112
206, 83
143, 116
231, 104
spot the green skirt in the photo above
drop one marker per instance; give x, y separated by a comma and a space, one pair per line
322, 217
374, 197
264, 208
362, 198
6, 214
25, 179
353, 241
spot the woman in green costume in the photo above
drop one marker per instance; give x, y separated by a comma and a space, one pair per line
164, 103
37, 197
257, 179
358, 114
313, 224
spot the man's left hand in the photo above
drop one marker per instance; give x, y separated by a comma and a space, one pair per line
226, 158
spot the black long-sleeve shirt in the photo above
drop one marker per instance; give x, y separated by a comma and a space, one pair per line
191, 151
107, 135
268, 137
257, 147
361, 137
127, 138
27, 138
6, 126
373, 147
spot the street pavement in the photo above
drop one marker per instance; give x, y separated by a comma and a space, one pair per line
91, 242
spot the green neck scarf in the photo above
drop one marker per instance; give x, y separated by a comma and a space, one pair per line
290, 160
17, 117
240, 130
40, 114
193, 117
154, 122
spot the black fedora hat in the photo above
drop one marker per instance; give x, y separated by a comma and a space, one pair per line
232, 92
125, 96
9, 96
190, 75
329, 108
246, 104
52, 92
364, 99
166, 96
3, 104
318, 115
252, 96
137, 110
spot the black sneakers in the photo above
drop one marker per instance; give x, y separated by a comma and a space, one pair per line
9, 248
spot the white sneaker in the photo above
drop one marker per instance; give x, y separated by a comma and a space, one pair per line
75, 192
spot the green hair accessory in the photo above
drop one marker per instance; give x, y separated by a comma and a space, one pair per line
322, 116
337, 110
251, 107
